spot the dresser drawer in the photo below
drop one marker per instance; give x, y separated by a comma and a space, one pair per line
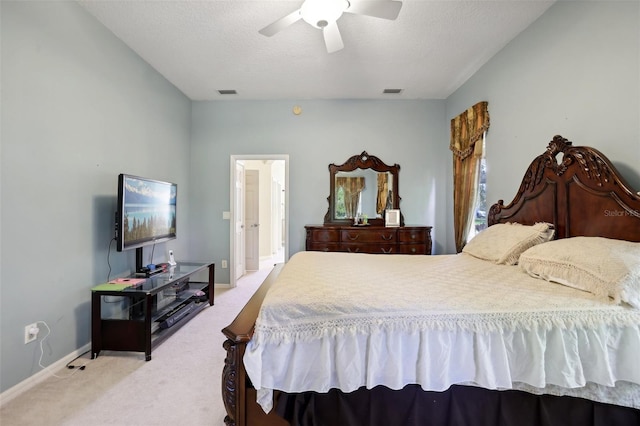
370, 235
370, 248
326, 235
418, 236
311, 246
413, 249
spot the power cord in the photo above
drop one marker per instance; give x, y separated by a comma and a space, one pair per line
108, 260
109, 299
76, 369
153, 249
81, 367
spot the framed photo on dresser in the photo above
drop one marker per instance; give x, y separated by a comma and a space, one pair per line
392, 217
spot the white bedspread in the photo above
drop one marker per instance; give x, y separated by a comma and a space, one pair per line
337, 320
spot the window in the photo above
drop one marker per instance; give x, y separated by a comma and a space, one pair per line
341, 208
480, 217
468, 131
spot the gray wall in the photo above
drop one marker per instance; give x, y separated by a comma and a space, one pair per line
78, 107
575, 72
410, 133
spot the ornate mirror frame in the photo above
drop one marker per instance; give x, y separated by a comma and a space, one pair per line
363, 161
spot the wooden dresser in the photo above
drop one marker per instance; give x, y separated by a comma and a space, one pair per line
369, 239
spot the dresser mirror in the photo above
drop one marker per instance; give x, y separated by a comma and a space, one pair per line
362, 188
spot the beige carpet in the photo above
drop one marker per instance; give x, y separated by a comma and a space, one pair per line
181, 385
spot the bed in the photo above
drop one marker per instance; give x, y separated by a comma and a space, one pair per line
536, 322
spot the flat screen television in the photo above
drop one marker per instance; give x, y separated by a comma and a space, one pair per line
146, 212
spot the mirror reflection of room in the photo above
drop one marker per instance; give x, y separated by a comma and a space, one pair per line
361, 190
363, 193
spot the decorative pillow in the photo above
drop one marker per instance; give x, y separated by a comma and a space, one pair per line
503, 243
602, 266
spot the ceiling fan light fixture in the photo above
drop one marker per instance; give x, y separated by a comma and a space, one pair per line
324, 14
319, 13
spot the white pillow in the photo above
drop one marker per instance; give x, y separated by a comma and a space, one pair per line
503, 243
602, 266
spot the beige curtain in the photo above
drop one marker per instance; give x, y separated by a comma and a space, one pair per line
352, 186
383, 192
467, 136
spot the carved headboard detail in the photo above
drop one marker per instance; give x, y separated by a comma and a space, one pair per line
578, 190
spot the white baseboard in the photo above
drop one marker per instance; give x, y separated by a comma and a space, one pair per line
45, 373
40, 376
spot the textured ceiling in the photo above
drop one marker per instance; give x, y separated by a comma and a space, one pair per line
201, 47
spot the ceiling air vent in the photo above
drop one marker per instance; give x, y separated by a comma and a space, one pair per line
391, 91
228, 92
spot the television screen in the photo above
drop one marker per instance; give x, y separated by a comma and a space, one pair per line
146, 212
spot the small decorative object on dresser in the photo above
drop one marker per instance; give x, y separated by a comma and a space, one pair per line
392, 217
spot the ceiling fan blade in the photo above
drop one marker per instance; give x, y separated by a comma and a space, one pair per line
332, 37
384, 9
281, 23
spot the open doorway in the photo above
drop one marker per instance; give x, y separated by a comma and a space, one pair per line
259, 213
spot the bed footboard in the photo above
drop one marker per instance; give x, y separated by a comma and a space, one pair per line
237, 394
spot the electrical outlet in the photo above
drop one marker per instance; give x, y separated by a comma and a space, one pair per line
224, 264
31, 333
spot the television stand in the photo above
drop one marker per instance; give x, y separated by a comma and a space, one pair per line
140, 317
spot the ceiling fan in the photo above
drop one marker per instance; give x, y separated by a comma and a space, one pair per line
324, 14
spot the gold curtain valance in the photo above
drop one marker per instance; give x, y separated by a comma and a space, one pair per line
351, 184
467, 129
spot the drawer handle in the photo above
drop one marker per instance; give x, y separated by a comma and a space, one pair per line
387, 238
353, 237
413, 237
386, 251
357, 250
413, 249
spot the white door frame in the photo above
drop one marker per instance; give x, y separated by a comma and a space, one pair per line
238, 228
232, 204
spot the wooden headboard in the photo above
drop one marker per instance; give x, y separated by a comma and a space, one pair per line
578, 190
